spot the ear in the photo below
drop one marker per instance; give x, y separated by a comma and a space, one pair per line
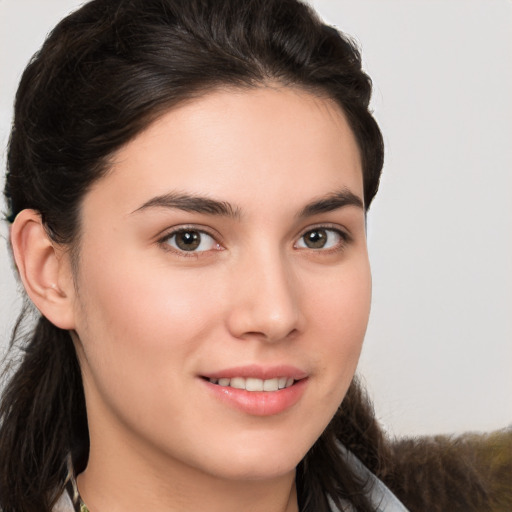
44, 269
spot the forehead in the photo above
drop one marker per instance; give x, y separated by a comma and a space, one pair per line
238, 146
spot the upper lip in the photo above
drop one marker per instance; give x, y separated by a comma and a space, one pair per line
258, 372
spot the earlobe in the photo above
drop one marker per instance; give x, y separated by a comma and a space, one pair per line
44, 269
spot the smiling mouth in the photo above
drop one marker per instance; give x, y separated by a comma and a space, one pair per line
254, 384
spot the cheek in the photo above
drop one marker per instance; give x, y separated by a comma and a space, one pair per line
341, 314
137, 301
342, 305
140, 325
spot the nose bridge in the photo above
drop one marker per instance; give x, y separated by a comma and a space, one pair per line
265, 300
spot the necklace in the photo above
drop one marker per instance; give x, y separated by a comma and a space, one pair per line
83, 507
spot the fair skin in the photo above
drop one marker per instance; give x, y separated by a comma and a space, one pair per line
226, 242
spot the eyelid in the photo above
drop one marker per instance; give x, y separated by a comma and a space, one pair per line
342, 232
169, 232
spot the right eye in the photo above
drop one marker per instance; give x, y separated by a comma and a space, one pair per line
191, 240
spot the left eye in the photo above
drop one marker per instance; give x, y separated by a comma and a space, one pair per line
191, 240
320, 238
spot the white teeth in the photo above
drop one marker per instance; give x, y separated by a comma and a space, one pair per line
238, 383
271, 385
253, 384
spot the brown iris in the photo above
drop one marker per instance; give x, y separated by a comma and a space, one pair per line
188, 240
315, 239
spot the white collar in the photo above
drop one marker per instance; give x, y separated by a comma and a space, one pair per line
379, 494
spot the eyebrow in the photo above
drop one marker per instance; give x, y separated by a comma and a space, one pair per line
208, 206
191, 203
331, 202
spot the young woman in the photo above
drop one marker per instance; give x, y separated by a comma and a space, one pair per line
187, 185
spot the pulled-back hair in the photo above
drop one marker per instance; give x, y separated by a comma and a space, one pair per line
102, 76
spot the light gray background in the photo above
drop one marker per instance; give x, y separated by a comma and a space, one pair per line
438, 353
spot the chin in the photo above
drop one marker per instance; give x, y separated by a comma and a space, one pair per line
254, 470
260, 459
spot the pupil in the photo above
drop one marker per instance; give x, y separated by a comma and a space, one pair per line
316, 239
188, 240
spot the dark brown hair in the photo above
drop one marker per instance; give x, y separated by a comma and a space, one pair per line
104, 73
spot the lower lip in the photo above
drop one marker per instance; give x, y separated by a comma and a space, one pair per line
259, 403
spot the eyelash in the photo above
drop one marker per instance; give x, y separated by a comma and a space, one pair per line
165, 240
343, 236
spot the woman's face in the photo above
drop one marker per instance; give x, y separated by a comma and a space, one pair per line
225, 250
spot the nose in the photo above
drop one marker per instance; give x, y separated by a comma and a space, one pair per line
264, 300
